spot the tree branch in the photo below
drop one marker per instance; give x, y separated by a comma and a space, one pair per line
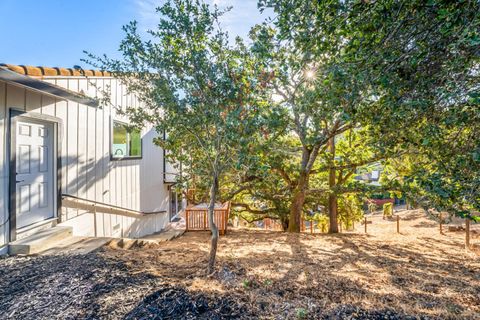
247, 207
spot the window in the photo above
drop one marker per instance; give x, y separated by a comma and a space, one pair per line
126, 142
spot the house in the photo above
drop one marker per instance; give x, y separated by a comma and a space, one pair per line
64, 152
371, 178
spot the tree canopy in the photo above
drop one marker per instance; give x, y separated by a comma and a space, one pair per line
282, 123
409, 73
202, 94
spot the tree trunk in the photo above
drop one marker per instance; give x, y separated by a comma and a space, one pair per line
213, 227
332, 211
332, 198
284, 224
298, 201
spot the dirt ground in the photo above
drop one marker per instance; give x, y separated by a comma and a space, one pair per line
417, 274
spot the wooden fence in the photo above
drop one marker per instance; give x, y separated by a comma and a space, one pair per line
196, 218
312, 227
272, 224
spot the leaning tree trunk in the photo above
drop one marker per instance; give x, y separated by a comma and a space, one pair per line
213, 227
298, 201
332, 197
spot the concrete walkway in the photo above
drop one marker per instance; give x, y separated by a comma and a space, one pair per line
77, 245
84, 245
171, 231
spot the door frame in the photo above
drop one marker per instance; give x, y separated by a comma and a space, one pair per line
14, 116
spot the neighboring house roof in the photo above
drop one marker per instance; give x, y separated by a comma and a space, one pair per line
372, 178
41, 71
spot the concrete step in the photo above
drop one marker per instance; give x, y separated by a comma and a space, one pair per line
165, 235
77, 245
40, 241
146, 241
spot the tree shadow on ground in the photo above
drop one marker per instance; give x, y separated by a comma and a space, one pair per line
265, 274
401, 277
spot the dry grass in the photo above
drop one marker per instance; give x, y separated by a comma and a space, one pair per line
279, 275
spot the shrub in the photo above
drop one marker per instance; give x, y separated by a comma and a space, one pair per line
372, 207
322, 221
387, 209
349, 210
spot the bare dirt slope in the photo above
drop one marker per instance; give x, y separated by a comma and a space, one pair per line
271, 275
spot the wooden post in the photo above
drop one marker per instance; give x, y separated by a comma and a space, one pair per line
225, 221
95, 220
441, 228
186, 219
221, 223
205, 219
340, 225
365, 224
467, 233
398, 223
353, 225
311, 227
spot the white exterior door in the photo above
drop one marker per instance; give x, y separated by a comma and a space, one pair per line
35, 161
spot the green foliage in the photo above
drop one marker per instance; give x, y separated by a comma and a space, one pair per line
400, 88
372, 207
246, 283
412, 82
387, 209
203, 92
349, 210
266, 188
301, 313
322, 221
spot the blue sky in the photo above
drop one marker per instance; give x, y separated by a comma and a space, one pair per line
54, 33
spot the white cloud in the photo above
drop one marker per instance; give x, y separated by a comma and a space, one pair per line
243, 15
238, 21
146, 14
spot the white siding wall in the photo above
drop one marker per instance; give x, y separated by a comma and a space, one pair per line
3, 168
10, 97
87, 170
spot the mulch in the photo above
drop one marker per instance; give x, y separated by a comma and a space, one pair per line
92, 286
178, 303
69, 287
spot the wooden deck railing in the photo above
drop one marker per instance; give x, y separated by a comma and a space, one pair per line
196, 219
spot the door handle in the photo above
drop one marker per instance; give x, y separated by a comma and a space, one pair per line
18, 181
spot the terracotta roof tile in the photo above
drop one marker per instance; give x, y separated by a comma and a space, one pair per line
32, 71
47, 71
17, 69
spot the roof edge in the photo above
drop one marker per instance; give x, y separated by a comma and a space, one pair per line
41, 71
44, 87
